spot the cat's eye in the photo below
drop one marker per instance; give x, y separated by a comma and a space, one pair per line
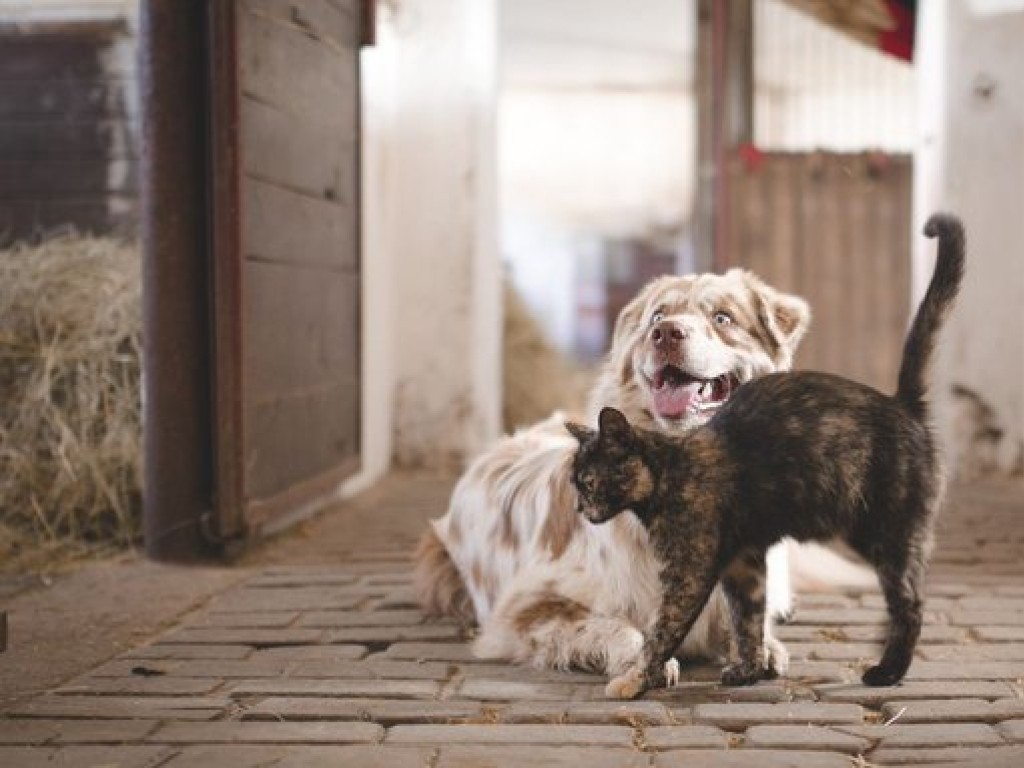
657, 317
722, 318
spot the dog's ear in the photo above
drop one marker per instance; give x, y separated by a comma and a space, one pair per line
784, 317
614, 426
580, 432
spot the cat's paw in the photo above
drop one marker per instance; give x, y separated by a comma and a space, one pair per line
784, 615
742, 673
776, 658
627, 686
671, 673
878, 676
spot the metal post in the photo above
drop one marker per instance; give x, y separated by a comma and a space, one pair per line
176, 316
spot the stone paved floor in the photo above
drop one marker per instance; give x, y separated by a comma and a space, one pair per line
318, 657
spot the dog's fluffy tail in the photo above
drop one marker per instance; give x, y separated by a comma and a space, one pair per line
816, 568
437, 583
943, 288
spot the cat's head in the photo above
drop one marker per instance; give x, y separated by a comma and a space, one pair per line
609, 470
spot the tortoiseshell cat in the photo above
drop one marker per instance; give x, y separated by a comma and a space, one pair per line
807, 455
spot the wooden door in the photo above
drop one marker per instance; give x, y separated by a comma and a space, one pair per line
285, 103
835, 229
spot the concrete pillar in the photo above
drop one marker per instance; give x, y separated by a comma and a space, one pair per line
971, 161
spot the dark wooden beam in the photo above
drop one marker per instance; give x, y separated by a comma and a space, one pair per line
228, 522
725, 117
176, 285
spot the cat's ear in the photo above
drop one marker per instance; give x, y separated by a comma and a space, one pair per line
614, 425
580, 432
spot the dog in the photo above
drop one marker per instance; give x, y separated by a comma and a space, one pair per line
803, 454
512, 556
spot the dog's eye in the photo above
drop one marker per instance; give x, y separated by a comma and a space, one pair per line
657, 317
722, 318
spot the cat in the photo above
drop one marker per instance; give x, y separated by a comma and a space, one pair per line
807, 455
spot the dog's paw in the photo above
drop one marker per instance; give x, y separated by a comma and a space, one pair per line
671, 673
742, 673
627, 686
878, 676
776, 658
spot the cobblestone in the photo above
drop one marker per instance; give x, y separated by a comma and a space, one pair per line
358, 688
184, 651
991, 652
685, 736
330, 664
245, 620
593, 712
241, 636
386, 711
509, 690
153, 686
305, 756
272, 733
875, 697
1012, 730
556, 735
540, 757
945, 735
954, 711
737, 716
961, 757
752, 758
803, 737
115, 707
77, 757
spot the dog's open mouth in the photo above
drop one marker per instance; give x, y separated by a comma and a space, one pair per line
678, 394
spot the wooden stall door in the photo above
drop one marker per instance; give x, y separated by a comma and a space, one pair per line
835, 229
288, 404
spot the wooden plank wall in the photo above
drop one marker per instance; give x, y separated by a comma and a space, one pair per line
67, 152
835, 229
298, 71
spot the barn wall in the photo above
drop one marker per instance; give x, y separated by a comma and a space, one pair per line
67, 117
971, 161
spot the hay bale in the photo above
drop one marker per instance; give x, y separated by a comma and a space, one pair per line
538, 379
70, 368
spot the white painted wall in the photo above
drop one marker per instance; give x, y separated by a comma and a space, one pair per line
818, 88
66, 10
601, 161
432, 307
971, 161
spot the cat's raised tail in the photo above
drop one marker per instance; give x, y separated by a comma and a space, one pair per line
942, 290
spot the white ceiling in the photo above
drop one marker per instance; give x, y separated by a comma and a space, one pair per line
609, 43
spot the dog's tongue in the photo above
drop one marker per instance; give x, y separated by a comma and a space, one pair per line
673, 402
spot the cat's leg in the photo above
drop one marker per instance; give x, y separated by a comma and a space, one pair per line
687, 589
780, 597
760, 654
901, 570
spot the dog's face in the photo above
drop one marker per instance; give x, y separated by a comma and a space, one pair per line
684, 344
608, 470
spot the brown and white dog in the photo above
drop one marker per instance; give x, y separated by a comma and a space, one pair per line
548, 588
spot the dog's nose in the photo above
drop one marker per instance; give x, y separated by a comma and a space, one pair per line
667, 334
